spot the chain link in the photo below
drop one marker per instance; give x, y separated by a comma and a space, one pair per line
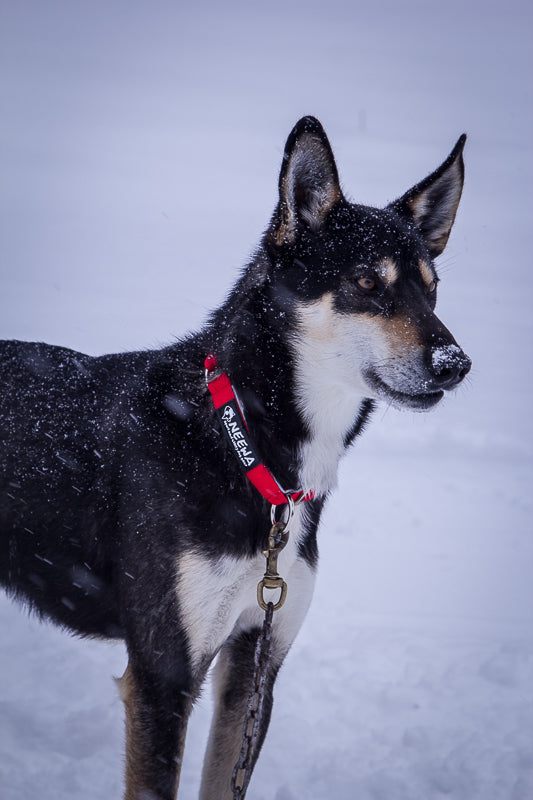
277, 539
250, 734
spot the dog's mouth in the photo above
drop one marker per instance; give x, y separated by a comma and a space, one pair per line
419, 401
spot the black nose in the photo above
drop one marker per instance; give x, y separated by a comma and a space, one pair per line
448, 366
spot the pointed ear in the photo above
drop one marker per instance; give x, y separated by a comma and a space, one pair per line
432, 204
308, 182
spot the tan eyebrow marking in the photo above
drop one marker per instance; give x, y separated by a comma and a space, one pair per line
387, 271
427, 272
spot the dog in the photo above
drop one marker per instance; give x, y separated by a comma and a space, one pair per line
128, 503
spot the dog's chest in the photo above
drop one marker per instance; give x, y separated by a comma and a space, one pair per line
217, 596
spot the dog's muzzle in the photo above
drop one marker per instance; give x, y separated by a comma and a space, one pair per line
443, 367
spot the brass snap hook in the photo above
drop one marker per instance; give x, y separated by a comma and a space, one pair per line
278, 537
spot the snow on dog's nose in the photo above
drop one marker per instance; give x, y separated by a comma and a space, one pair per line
448, 365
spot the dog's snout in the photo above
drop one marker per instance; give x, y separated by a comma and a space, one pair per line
448, 365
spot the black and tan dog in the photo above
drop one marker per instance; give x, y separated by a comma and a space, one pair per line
124, 507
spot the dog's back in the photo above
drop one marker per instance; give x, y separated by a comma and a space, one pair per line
63, 424
52, 401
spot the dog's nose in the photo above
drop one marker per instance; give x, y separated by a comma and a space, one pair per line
448, 365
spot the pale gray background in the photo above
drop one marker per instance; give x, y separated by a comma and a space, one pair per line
140, 146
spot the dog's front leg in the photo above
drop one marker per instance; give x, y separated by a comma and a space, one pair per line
233, 676
233, 679
157, 712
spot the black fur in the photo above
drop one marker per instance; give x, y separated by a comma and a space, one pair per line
112, 467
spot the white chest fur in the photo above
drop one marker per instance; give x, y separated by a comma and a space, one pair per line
218, 597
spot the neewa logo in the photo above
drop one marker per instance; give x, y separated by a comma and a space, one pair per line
228, 414
237, 436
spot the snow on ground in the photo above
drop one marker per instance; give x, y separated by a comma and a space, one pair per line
140, 146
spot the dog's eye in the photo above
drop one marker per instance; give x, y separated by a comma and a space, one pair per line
432, 286
366, 283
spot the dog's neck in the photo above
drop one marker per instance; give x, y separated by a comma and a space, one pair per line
300, 421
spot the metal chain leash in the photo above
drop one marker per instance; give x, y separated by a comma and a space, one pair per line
277, 539
243, 768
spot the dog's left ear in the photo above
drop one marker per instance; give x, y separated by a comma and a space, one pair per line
432, 204
308, 182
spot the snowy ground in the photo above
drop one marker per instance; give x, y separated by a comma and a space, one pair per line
140, 147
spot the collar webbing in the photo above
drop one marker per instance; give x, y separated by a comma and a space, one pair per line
236, 430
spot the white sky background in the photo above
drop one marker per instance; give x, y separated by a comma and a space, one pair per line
140, 145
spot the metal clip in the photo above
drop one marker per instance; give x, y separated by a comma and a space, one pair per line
277, 539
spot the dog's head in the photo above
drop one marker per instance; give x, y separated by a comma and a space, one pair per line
363, 280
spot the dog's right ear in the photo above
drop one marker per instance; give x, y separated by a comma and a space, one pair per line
308, 182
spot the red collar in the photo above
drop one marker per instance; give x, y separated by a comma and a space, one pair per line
234, 426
